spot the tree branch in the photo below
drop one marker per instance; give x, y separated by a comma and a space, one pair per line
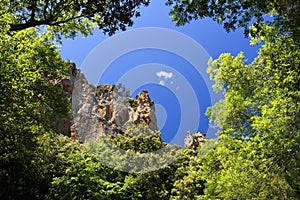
18, 27
33, 7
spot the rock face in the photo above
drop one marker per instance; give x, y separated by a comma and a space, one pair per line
84, 104
194, 141
66, 84
101, 109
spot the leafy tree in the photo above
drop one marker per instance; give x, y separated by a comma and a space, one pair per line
29, 101
233, 115
238, 14
208, 145
68, 17
261, 109
140, 139
142, 154
82, 176
237, 169
159, 184
138, 150
188, 181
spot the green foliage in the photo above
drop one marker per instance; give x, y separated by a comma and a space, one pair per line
188, 182
239, 14
28, 103
241, 170
261, 109
131, 102
140, 139
122, 92
235, 79
207, 146
139, 150
86, 178
101, 89
159, 184
69, 17
118, 91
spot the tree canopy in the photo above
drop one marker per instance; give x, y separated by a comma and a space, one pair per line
68, 17
29, 101
262, 113
235, 14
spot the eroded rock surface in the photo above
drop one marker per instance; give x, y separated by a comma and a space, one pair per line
100, 109
194, 141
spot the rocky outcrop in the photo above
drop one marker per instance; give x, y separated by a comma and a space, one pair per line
84, 105
194, 141
106, 109
144, 110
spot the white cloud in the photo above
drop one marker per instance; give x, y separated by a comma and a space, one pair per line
164, 74
161, 83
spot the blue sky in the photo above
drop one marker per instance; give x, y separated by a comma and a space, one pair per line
181, 94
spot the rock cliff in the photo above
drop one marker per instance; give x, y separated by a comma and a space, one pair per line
108, 109
103, 109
